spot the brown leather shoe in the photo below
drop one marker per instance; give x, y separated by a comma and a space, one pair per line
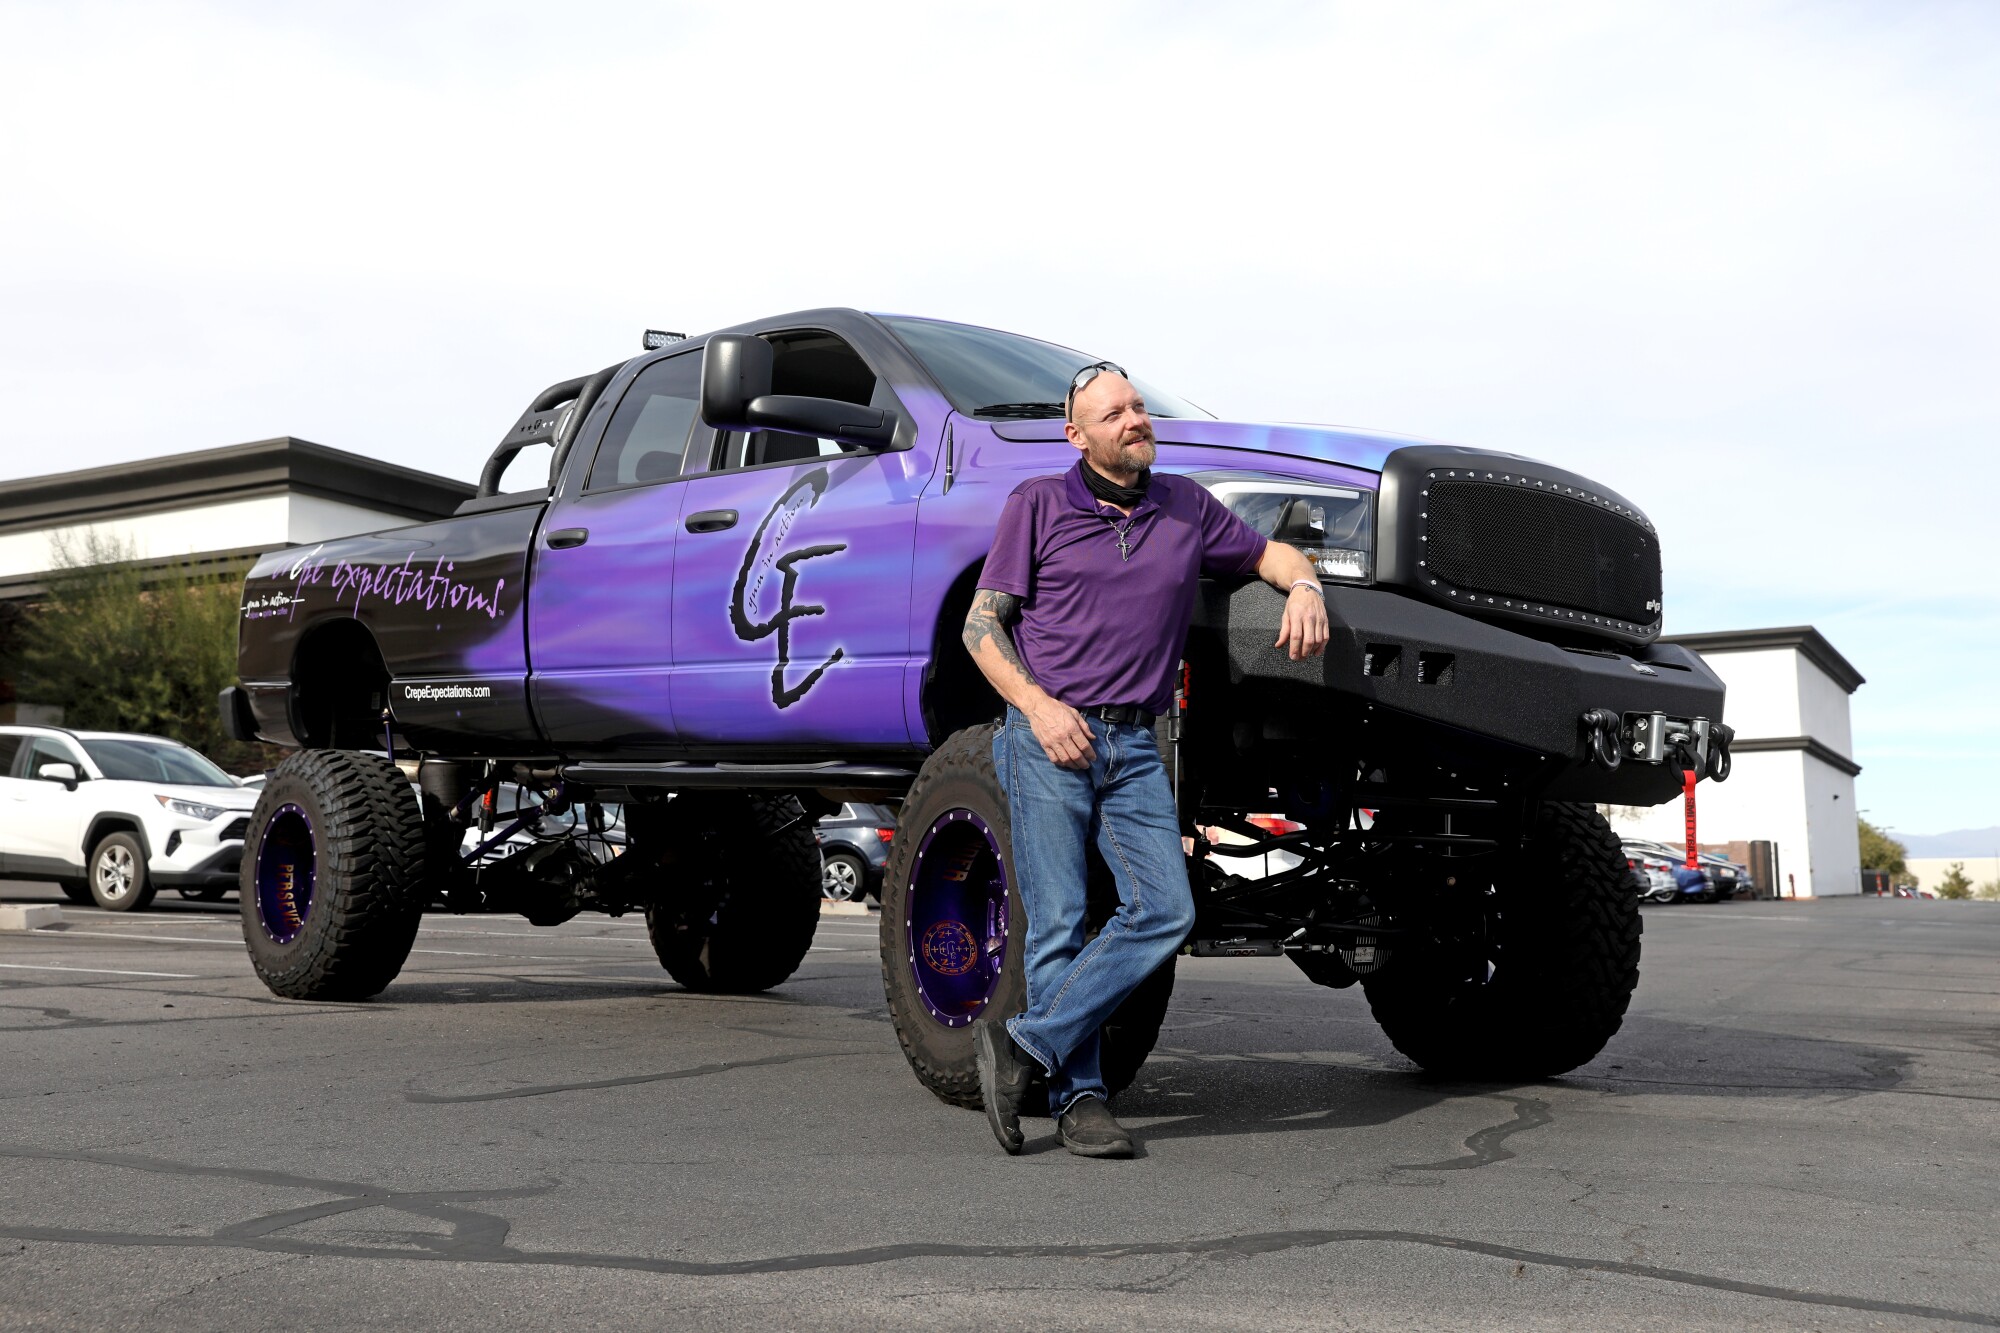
1004, 1071
1088, 1129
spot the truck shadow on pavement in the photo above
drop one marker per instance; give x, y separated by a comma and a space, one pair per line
1208, 1094
484, 988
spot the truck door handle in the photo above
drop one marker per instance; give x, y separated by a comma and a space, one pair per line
711, 520
564, 538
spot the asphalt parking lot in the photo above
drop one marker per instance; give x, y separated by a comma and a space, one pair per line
1796, 1128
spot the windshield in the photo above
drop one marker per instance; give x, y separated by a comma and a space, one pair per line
987, 373
155, 761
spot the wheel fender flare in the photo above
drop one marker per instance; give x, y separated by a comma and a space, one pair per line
113, 821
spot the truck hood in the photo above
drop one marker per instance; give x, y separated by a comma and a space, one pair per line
1364, 450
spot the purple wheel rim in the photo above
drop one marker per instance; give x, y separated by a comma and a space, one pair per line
286, 864
957, 918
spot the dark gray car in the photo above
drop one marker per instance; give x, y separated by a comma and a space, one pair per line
853, 849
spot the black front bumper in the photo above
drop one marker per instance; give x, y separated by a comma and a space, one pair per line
1429, 663
215, 871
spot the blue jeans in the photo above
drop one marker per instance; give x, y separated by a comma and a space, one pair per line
1124, 803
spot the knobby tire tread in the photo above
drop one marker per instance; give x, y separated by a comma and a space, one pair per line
739, 942
965, 755
1571, 946
369, 875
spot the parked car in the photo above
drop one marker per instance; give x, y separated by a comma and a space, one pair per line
1694, 883
1689, 886
113, 818
854, 846
1728, 878
1256, 865
1652, 870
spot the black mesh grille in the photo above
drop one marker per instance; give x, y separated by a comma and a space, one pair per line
1513, 541
235, 828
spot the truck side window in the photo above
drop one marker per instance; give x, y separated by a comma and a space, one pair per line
810, 364
648, 434
10, 745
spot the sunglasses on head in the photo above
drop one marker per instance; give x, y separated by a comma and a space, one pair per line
1085, 376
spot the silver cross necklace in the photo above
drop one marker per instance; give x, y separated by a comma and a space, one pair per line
1122, 534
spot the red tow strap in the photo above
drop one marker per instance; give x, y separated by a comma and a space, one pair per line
1687, 795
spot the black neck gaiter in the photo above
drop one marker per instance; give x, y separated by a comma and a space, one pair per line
1109, 491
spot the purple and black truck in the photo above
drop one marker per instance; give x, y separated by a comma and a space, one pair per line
737, 603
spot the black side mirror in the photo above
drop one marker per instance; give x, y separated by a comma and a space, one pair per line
735, 369
736, 395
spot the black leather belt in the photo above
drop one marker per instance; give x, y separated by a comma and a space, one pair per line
1124, 714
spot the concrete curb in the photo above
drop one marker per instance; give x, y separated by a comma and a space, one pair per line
37, 916
828, 907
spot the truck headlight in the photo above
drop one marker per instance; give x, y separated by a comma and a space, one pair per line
1333, 525
189, 808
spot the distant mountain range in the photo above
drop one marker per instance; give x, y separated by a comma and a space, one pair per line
1963, 842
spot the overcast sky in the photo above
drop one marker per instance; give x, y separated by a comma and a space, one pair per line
1737, 261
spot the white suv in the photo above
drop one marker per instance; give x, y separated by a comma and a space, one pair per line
113, 818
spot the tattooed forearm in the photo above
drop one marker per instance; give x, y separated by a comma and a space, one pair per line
988, 619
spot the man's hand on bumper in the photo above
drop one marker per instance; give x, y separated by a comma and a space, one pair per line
1303, 631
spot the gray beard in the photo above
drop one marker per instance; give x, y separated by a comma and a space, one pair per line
1115, 467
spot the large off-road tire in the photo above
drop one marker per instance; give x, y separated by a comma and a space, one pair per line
331, 884
117, 874
1546, 985
741, 911
954, 931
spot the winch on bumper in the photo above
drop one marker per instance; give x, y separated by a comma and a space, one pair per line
1598, 722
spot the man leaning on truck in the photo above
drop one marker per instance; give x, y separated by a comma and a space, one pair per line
1096, 571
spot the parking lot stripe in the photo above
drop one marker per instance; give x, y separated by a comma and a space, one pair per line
541, 935
98, 971
178, 918
124, 935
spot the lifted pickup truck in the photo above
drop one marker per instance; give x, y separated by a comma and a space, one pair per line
738, 602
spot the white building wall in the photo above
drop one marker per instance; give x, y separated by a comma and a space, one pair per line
1763, 690
1823, 709
312, 519
265, 520
1833, 868
1931, 870
222, 526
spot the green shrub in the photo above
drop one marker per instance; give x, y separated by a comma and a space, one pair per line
122, 647
1879, 851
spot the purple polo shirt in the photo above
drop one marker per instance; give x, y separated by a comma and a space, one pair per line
1096, 628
